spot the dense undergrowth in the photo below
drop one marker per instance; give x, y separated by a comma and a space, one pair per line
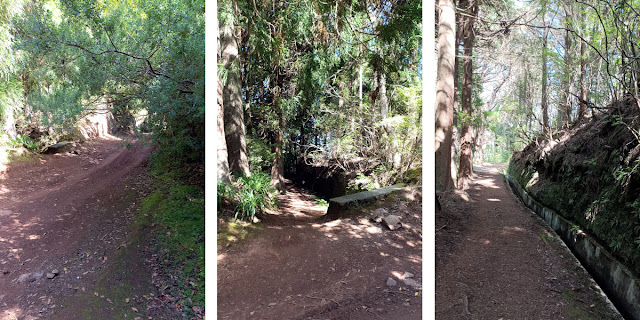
247, 197
176, 209
591, 176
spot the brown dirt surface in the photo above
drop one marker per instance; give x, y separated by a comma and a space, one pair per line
495, 259
74, 213
299, 266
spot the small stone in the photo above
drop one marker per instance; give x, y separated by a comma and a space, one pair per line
406, 304
50, 275
391, 282
29, 277
407, 275
392, 222
55, 271
272, 304
412, 283
5, 271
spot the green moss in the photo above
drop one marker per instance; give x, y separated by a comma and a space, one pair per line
178, 212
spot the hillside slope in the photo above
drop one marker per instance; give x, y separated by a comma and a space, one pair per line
590, 175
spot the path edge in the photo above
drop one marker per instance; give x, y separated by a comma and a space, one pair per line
616, 280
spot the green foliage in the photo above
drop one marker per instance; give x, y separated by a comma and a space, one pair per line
259, 154
250, 196
178, 211
363, 183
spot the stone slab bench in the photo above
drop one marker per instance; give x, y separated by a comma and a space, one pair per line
338, 206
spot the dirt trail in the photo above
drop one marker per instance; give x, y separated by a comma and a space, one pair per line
496, 260
73, 213
301, 267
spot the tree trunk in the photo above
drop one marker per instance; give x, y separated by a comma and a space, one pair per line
583, 81
444, 94
564, 111
583, 71
233, 112
465, 170
277, 169
384, 102
544, 104
221, 142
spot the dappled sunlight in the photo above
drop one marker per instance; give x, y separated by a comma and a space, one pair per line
12, 313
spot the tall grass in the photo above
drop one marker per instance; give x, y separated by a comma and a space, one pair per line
250, 196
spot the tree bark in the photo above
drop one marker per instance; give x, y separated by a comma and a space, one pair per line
444, 94
232, 99
583, 71
544, 104
465, 170
564, 111
221, 142
277, 169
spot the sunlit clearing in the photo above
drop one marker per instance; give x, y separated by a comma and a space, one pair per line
494, 200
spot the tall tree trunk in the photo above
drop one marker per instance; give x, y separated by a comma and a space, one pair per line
465, 170
544, 104
444, 94
277, 169
583, 71
583, 81
384, 102
221, 142
564, 111
233, 112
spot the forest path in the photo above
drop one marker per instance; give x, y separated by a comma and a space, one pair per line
74, 214
302, 267
496, 260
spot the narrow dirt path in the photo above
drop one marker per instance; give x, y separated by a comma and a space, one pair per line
73, 214
496, 260
301, 267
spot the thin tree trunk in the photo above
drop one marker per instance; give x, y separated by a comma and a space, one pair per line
444, 94
565, 108
221, 142
545, 95
277, 169
465, 170
233, 112
583, 73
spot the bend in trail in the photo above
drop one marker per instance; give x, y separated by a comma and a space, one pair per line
65, 228
300, 266
496, 260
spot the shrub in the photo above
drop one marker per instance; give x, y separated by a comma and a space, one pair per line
249, 195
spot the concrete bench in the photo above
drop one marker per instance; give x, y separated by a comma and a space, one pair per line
339, 205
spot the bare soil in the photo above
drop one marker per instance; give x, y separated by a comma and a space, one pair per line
299, 266
75, 214
495, 259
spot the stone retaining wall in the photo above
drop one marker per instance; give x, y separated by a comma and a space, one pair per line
617, 281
